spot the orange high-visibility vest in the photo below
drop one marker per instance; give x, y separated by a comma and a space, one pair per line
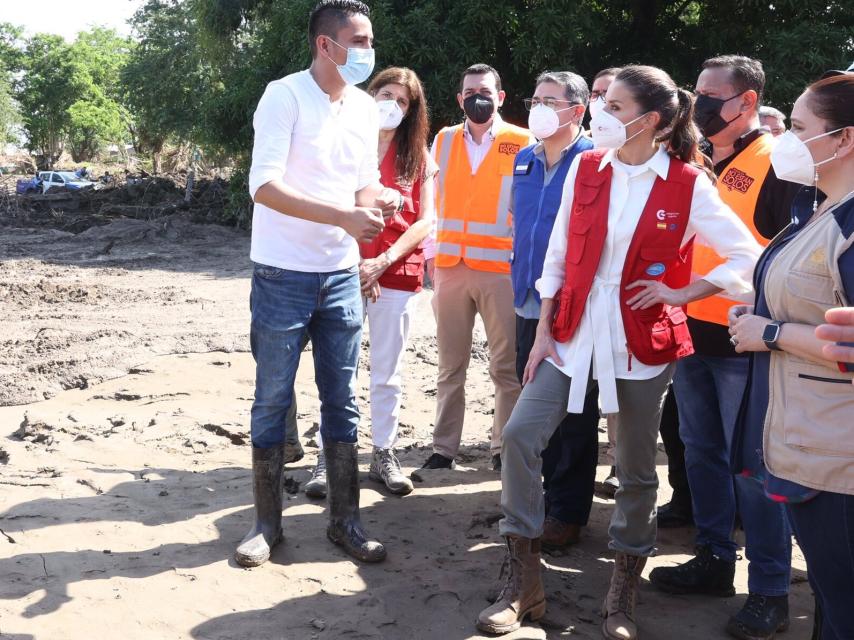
473, 211
739, 188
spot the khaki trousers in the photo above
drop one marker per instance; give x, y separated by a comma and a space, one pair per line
460, 293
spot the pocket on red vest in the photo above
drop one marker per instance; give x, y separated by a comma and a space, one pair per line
669, 330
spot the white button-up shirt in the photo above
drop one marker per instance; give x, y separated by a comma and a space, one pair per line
323, 149
600, 338
477, 151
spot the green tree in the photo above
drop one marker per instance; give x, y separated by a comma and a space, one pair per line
10, 114
167, 50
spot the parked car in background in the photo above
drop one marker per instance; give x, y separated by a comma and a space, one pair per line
28, 185
67, 179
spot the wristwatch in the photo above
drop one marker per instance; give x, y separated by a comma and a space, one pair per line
771, 334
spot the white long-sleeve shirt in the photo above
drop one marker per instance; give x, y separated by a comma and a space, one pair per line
326, 150
600, 338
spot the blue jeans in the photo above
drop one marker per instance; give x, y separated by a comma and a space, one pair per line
286, 307
708, 394
824, 527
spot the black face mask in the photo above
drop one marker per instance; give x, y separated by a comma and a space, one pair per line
478, 108
707, 114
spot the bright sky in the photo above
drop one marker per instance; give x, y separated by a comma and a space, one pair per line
68, 17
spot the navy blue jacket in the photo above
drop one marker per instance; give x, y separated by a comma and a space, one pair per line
534, 209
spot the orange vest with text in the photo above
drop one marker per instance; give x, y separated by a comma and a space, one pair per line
739, 188
473, 211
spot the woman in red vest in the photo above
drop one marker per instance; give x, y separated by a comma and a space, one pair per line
392, 268
615, 279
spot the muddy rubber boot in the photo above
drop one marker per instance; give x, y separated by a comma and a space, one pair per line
316, 486
266, 532
345, 527
619, 606
523, 595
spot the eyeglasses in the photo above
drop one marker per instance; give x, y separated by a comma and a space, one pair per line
551, 103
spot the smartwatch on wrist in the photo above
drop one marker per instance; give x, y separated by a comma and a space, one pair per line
771, 335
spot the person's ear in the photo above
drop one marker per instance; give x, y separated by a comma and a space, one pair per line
460, 100
501, 96
749, 100
846, 143
652, 119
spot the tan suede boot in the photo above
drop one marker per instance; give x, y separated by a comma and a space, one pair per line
523, 593
619, 606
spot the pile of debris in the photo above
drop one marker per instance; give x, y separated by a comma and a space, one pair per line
144, 198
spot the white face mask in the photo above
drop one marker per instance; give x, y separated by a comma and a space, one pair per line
544, 122
792, 160
608, 132
391, 115
596, 106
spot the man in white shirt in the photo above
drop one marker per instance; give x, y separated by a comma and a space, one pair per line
315, 183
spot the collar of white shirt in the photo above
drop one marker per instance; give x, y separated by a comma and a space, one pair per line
492, 131
659, 162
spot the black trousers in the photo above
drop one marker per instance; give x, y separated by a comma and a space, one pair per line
569, 460
677, 477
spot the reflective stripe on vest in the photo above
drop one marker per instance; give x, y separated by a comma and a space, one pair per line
739, 188
473, 211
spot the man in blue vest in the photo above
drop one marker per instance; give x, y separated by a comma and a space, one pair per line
569, 461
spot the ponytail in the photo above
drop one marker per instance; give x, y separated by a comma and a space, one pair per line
683, 138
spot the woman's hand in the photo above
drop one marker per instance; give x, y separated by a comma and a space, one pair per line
652, 293
738, 310
544, 346
746, 331
372, 292
839, 329
370, 270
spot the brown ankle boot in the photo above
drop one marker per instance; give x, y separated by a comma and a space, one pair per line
523, 593
619, 606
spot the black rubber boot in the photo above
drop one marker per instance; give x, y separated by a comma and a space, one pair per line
675, 513
345, 527
267, 474
705, 574
760, 618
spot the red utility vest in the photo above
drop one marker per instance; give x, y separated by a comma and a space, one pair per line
407, 274
657, 335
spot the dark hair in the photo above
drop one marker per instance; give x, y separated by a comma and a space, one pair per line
832, 99
328, 16
746, 73
654, 90
610, 71
574, 86
480, 69
411, 135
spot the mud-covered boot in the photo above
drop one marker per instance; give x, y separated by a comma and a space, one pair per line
266, 532
523, 595
316, 486
345, 527
619, 606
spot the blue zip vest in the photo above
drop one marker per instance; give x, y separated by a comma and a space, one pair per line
534, 211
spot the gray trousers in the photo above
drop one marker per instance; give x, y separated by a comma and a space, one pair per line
540, 409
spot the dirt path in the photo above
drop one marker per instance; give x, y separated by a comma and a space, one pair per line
123, 495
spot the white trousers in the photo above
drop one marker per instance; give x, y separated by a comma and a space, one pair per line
388, 329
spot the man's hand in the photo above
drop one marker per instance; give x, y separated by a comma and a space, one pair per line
388, 201
363, 223
371, 292
654, 292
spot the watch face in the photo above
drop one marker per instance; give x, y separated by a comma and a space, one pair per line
771, 332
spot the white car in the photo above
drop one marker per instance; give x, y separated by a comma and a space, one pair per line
67, 179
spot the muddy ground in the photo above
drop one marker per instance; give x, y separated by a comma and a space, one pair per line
125, 389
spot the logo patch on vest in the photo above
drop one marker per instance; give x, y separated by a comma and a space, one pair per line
655, 270
738, 180
508, 148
